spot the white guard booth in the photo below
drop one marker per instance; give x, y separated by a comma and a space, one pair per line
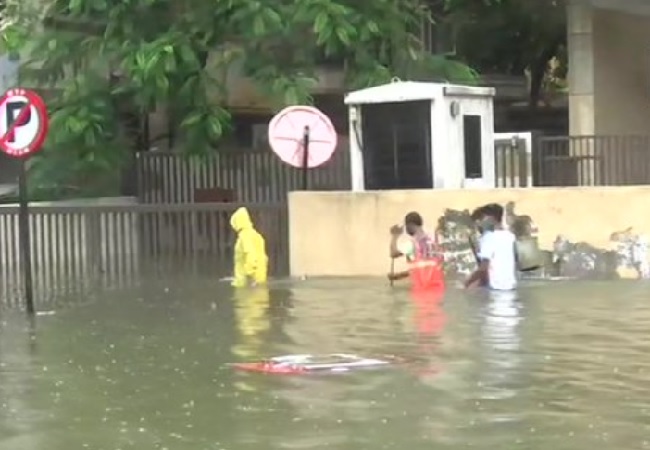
414, 135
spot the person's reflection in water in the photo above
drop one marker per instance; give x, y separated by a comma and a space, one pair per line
252, 315
502, 318
502, 343
253, 323
430, 319
260, 315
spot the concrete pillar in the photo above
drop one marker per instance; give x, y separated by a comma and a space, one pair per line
581, 68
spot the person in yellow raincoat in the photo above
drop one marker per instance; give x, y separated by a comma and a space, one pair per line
250, 262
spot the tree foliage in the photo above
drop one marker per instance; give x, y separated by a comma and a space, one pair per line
112, 62
512, 36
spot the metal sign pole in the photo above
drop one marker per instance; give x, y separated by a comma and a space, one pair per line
305, 160
25, 237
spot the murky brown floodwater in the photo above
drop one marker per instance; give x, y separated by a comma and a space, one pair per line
564, 366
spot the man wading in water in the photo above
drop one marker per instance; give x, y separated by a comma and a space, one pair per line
422, 252
496, 254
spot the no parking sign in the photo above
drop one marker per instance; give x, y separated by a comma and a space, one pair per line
23, 123
23, 129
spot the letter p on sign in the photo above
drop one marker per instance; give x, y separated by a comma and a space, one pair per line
15, 119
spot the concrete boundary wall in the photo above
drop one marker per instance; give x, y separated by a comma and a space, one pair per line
584, 231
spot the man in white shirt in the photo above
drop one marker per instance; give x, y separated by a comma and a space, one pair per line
496, 252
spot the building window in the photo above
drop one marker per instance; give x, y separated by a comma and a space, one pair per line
473, 146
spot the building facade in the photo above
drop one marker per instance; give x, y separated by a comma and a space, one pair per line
609, 63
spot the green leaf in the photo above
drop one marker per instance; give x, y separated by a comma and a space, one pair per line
162, 83
192, 120
90, 138
325, 36
322, 23
150, 65
100, 5
372, 27
141, 58
216, 128
272, 17
259, 27
76, 6
343, 36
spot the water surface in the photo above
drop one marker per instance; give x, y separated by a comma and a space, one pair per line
561, 366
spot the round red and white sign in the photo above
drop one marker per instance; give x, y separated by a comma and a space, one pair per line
23, 123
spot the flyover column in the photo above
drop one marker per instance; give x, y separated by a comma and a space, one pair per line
582, 118
581, 71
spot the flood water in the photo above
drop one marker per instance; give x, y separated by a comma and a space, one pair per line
563, 366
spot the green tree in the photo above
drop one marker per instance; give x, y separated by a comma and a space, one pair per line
509, 36
113, 62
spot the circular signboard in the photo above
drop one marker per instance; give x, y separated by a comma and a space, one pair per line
287, 136
23, 123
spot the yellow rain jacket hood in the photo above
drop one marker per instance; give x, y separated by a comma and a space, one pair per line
241, 220
250, 259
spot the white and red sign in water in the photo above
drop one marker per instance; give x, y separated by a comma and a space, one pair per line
23, 123
303, 364
287, 136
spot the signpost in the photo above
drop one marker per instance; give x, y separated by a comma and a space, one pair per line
23, 129
303, 137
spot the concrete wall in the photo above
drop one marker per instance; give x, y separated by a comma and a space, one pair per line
585, 231
609, 79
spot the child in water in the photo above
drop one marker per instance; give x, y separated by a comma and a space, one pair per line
251, 261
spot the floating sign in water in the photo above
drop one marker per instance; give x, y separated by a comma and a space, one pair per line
303, 364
